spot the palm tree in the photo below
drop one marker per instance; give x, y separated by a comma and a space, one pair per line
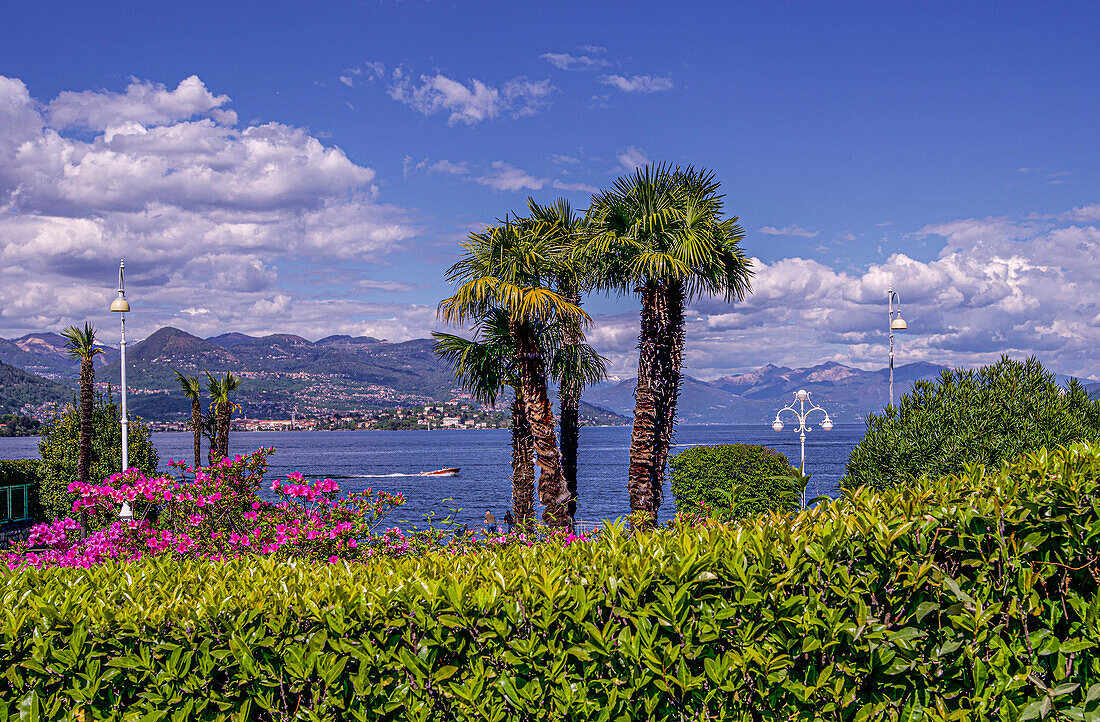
220, 389
510, 266
82, 347
484, 367
659, 232
192, 389
576, 365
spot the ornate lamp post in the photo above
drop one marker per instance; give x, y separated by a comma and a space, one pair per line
802, 413
121, 306
897, 323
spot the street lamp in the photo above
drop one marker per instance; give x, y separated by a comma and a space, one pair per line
802, 413
121, 306
897, 323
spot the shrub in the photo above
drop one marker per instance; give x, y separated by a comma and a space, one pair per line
60, 447
20, 472
733, 480
986, 416
973, 597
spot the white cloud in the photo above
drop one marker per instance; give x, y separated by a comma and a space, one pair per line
632, 158
566, 61
637, 83
503, 176
792, 230
472, 102
143, 102
198, 206
365, 73
578, 187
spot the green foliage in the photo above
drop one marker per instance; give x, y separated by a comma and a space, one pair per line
986, 416
733, 480
971, 598
21, 472
19, 388
60, 447
18, 425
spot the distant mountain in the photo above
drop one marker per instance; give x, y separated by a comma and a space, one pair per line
847, 393
22, 392
229, 340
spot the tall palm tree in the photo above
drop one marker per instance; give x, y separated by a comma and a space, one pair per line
510, 266
659, 232
82, 348
484, 367
220, 390
576, 365
192, 389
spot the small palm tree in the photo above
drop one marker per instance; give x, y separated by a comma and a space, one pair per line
82, 347
484, 367
192, 389
220, 390
659, 232
510, 267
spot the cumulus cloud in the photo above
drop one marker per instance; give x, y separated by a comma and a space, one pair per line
503, 176
632, 158
637, 83
792, 230
197, 205
471, 102
143, 102
567, 61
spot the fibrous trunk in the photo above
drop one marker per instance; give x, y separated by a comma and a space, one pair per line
669, 379
87, 402
569, 404
224, 412
553, 493
523, 468
643, 436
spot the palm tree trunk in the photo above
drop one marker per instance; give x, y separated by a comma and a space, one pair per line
569, 403
536, 402
196, 429
87, 403
671, 311
222, 437
643, 436
523, 468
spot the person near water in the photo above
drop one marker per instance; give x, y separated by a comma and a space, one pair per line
490, 522
509, 520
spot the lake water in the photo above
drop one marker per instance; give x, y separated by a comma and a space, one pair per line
390, 460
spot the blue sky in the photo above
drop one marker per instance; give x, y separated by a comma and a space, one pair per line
319, 164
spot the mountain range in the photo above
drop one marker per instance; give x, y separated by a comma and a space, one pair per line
284, 373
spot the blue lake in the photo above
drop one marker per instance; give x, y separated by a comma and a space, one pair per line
391, 460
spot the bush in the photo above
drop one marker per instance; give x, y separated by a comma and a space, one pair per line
986, 416
733, 480
20, 472
60, 447
974, 597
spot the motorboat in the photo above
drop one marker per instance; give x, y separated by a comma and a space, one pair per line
446, 471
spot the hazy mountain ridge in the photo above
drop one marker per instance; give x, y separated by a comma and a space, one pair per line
284, 373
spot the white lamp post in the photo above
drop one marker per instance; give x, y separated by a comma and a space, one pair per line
801, 413
121, 306
897, 323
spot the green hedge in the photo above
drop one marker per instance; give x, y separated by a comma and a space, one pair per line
20, 472
970, 598
733, 480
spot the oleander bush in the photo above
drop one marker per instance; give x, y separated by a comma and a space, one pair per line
733, 481
982, 416
974, 597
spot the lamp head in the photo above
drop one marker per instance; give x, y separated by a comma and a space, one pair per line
827, 424
802, 395
120, 305
777, 425
899, 324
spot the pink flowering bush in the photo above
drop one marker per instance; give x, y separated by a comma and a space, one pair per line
216, 513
